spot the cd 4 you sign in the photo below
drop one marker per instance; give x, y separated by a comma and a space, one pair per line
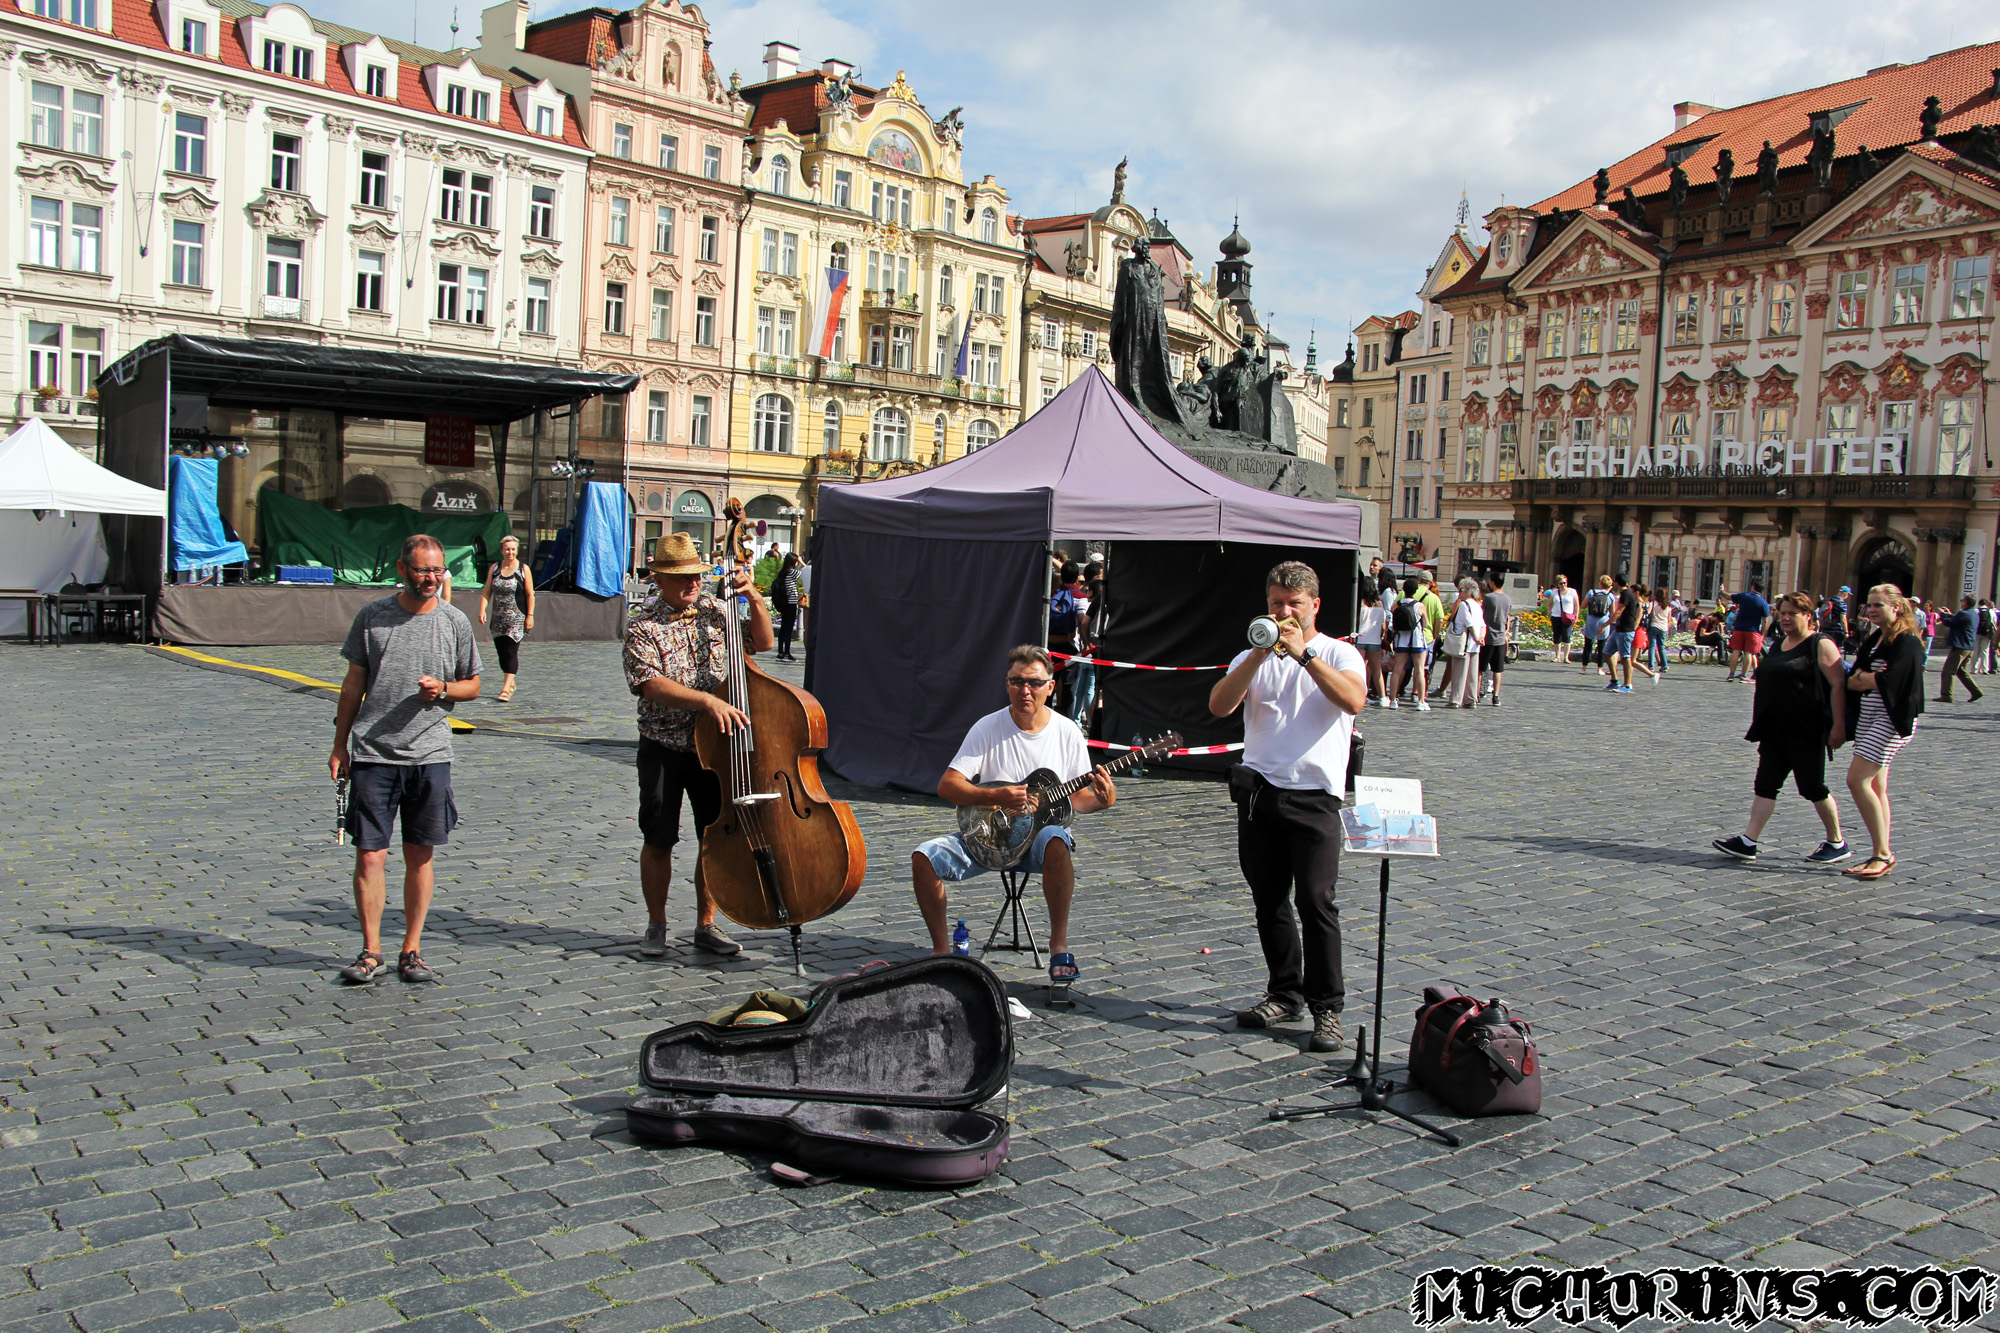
1858, 456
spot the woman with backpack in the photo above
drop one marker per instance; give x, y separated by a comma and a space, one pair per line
1888, 675
1409, 644
1596, 612
785, 596
1798, 717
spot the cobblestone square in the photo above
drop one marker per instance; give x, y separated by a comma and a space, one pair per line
1764, 1063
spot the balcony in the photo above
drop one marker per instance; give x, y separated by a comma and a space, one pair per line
887, 300
55, 407
291, 309
1784, 489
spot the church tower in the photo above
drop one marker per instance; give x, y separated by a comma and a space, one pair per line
1232, 274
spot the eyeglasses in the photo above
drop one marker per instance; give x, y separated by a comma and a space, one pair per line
427, 573
1028, 682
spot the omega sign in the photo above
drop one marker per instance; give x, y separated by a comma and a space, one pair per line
454, 497
1861, 456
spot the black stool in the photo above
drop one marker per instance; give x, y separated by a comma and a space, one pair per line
1013, 913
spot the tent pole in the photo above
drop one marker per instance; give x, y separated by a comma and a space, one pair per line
1048, 587
534, 491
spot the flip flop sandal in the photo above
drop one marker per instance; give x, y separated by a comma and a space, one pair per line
1066, 960
1862, 871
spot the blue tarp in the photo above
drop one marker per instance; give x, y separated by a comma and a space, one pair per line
604, 539
196, 538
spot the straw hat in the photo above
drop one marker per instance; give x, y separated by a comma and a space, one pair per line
676, 554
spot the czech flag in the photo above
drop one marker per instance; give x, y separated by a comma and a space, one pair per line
836, 297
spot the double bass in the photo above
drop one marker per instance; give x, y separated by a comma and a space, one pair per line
782, 852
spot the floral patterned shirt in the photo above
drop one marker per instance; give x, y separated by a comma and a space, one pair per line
686, 648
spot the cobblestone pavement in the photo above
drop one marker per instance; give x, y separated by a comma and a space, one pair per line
1764, 1063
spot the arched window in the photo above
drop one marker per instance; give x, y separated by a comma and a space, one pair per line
836, 258
778, 527
989, 227
781, 174
937, 436
944, 285
890, 439
771, 425
980, 434
833, 428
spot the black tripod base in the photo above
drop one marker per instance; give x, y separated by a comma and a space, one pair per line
1375, 1093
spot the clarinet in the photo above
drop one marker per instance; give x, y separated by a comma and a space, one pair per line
340, 811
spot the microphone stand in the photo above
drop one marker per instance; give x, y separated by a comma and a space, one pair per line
1365, 1074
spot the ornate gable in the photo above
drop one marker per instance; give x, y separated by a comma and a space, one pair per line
1588, 257
1916, 203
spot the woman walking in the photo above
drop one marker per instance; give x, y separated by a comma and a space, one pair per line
507, 606
1798, 717
1409, 645
1888, 674
1659, 628
1642, 638
785, 594
1368, 637
1468, 623
1596, 619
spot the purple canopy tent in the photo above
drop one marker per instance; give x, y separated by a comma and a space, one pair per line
922, 583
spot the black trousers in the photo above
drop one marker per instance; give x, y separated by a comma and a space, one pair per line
788, 625
1288, 845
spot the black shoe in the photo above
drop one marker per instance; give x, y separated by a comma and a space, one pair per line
368, 967
410, 966
1739, 847
1327, 1036
1270, 1010
711, 940
1828, 852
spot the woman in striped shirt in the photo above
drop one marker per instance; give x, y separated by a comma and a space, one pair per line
1888, 675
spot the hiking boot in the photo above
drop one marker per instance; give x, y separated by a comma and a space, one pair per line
1271, 1010
1327, 1036
410, 966
1738, 846
1828, 852
655, 943
368, 967
710, 939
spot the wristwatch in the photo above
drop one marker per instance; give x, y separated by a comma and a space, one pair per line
1308, 655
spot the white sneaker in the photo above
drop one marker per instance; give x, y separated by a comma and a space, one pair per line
1392, 703
1423, 706
1385, 701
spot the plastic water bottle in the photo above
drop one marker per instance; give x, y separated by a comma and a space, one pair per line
961, 940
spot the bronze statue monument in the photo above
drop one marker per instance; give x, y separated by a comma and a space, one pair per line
1139, 334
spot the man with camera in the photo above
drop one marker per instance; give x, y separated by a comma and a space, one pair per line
1300, 697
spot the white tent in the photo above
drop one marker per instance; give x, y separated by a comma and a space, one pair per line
50, 497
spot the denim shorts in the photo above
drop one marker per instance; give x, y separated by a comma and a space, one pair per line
1618, 642
952, 862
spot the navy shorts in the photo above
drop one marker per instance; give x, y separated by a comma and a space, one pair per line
665, 775
421, 793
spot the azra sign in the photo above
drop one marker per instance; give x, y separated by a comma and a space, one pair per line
454, 497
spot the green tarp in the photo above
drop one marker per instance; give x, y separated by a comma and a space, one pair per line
361, 545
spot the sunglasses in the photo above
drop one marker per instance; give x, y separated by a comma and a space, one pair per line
1028, 682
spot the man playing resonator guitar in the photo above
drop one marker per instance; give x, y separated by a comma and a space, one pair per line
1007, 746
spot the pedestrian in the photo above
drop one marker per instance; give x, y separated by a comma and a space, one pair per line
1434, 616
805, 573
1368, 637
785, 596
1642, 638
1961, 637
1082, 671
507, 608
1621, 628
1982, 651
675, 656
1299, 700
1065, 610
1499, 610
1888, 674
1746, 631
1926, 627
410, 657
1833, 619
1563, 605
1798, 717
1659, 629
1596, 615
1375, 578
1409, 643
1468, 626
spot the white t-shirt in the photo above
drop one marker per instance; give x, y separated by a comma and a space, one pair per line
1370, 633
996, 750
1563, 603
1293, 734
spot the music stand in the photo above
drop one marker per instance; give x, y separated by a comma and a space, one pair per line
1383, 822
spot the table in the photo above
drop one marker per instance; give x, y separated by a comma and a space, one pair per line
97, 602
31, 601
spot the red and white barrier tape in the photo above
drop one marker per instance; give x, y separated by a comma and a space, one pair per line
1196, 749
1135, 666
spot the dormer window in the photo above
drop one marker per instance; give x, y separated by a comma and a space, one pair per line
1678, 153
376, 81
274, 57
83, 13
194, 37
482, 106
781, 175
462, 90
371, 67
302, 63
545, 120
454, 100
1503, 246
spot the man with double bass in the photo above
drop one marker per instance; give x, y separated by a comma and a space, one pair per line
674, 660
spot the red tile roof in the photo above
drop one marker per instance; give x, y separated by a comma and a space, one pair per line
574, 39
796, 99
1067, 222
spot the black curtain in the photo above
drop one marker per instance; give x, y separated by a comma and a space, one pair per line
132, 427
907, 645
1189, 604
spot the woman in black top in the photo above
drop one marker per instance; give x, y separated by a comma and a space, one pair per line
1888, 674
785, 594
1797, 717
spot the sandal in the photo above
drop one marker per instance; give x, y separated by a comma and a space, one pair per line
1863, 870
1065, 962
363, 969
504, 696
412, 967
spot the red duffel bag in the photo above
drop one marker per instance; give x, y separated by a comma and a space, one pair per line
1475, 1058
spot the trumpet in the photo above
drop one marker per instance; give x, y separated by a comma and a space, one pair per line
1264, 631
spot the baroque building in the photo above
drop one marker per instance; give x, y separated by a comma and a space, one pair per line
655, 266
878, 298
1753, 351
1362, 393
1425, 438
236, 170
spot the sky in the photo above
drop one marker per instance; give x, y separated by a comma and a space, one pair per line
1344, 134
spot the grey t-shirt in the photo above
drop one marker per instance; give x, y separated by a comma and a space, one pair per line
397, 647
1499, 606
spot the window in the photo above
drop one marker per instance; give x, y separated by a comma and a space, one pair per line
482, 105
989, 227
670, 158
890, 438
843, 189
1724, 426
621, 141
979, 293
1444, 444
1687, 318
45, 117
656, 416
1968, 288
1708, 581
938, 430
1850, 306
1371, 356
454, 99
1437, 332
1413, 499
190, 247
771, 425
1481, 351
875, 201
1625, 327
45, 225
86, 124
1732, 315
451, 197
1340, 412
1367, 413
943, 365
711, 162
368, 268
788, 333
545, 121
1782, 316
993, 376
86, 238
1420, 389
711, 238
1413, 445
302, 63
781, 175
287, 155
662, 327
909, 199
663, 229
704, 320
1757, 574
1513, 340
1555, 334
701, 413
614, 307
1089, 337
479, 202
611, 417
190, 144
1583, 431
980, 434
874, 270
1680, 435
944, 286
284, 272
194, 37
998, 303
788, 255
767, 324
1906, 299
375, 81
830, 440
274, 57
767, 255
86, 359
1473, 457
475, 295
375, 180
1955, 419
1774, 429
1621, 436
536, 316
621, 221
1365, 461
836, 257
1589, 330
44, 355
1897, 419
1843, 420
902, 348
542, 212
450, 290
1545, 440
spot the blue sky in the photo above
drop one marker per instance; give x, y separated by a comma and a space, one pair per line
1343, 133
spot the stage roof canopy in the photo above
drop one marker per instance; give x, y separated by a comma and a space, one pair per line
399, 385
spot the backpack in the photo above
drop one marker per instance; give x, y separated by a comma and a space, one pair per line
1406, 617
1986, 620
1062, 614
1599, 602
